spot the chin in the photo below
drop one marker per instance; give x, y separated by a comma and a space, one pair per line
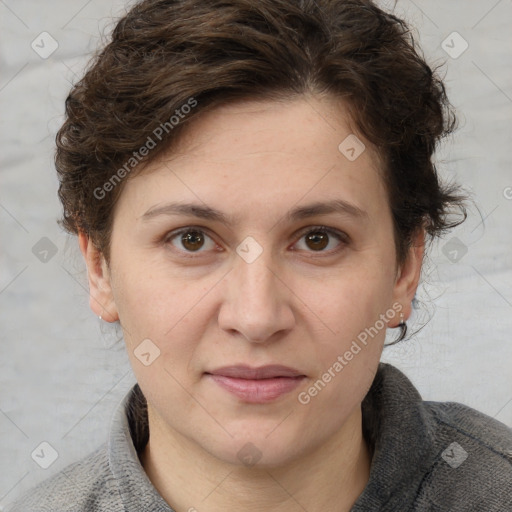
257, 450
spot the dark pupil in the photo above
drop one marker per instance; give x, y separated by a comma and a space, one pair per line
194, 237
190, 238
317, 236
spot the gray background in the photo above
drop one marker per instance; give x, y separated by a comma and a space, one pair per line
62, 373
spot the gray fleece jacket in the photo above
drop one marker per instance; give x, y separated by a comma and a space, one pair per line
426, 456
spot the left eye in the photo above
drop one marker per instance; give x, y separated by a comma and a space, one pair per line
319, 238
316, 238
191, 238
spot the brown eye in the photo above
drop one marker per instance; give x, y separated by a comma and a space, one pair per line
317, 239
192, 240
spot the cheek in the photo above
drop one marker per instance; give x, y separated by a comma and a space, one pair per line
351, 299
348, 314
161, 327
348, 352
166, 309
145, 292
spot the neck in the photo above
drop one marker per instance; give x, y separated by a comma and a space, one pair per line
329, 478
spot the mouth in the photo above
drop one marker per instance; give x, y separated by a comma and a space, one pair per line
257, 385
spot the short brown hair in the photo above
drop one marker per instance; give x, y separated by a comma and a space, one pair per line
163, 53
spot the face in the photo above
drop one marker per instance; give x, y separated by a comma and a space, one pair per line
195, 294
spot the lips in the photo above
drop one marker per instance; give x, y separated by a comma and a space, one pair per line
263, 372
256, 385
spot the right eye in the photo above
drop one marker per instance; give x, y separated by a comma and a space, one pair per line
191, 238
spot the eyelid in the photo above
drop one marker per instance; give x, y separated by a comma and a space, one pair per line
343, 238
340, 235
168, 236
331, 231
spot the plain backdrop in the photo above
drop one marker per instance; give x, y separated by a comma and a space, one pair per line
62, 374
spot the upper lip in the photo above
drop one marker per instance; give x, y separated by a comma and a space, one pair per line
242, 371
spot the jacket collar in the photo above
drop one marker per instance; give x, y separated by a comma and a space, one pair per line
129, 434
396, 425
400, 431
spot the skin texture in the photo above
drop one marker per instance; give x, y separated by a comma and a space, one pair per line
294, 305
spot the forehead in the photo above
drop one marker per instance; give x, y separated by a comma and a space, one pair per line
302, 124
266, 152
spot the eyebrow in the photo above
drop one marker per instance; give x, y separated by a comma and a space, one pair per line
339, 206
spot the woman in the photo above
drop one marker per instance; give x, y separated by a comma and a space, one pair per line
252, 188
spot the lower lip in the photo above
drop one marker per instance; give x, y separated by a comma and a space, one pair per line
258, 391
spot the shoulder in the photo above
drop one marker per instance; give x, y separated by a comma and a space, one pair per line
493, 434
86, 485
473, 465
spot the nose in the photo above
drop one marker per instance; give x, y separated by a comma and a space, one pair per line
256, 300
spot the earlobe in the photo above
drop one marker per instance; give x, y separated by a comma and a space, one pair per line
101, 298
409, 275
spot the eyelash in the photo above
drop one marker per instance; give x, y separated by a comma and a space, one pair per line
342, 237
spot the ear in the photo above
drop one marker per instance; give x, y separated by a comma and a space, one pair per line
101, 298
408, 275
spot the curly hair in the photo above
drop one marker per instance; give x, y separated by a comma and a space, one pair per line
167, 54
